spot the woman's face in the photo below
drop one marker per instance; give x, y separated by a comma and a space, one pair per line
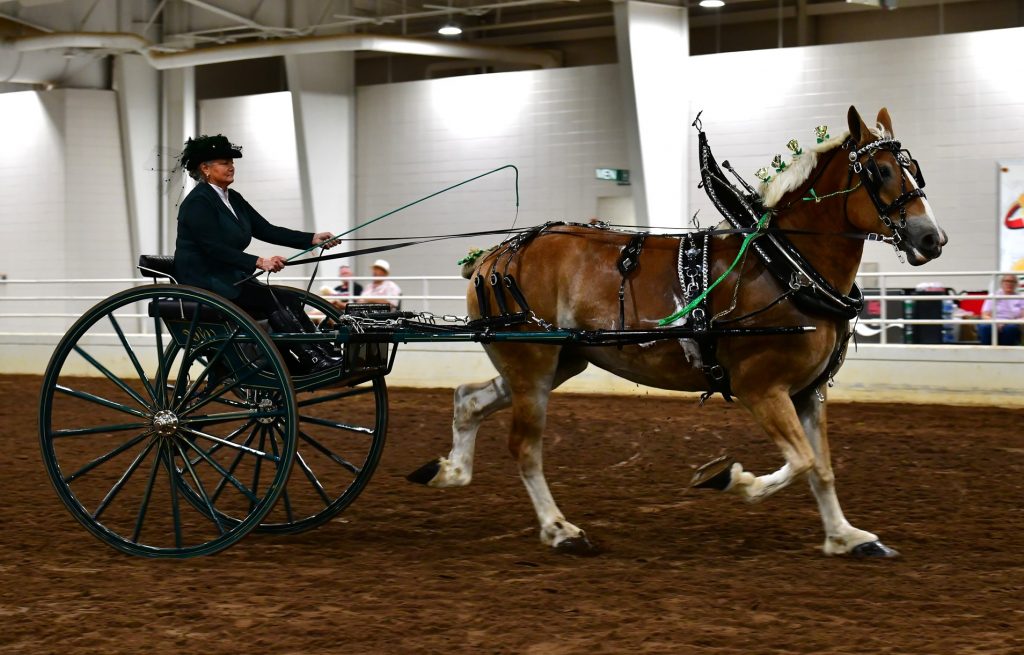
220, 172
1009, 285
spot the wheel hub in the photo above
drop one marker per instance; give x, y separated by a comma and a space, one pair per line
266, 405
165, 422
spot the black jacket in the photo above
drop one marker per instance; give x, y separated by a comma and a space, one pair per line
210, 249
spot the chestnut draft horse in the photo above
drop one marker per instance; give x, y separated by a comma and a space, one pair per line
568, 275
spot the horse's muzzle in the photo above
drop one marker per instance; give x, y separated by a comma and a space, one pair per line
922, 240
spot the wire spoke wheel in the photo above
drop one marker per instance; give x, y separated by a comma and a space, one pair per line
153, 422
341, 435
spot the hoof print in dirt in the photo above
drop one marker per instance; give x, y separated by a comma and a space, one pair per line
425, 473
716, 474
873, 550
579, 546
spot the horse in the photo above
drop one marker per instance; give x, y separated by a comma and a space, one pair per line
862, 185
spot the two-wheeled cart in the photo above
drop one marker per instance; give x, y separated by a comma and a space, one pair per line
171, 426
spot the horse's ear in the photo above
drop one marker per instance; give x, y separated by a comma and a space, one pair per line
885, 121
858, 129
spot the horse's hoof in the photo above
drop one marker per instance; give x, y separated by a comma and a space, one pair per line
579, 546
716, 474
873, 549
425, 473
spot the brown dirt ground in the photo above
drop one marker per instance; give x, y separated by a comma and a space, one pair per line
408, 569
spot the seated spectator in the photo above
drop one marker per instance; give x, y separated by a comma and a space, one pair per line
348, 290
381, 289
1009, 308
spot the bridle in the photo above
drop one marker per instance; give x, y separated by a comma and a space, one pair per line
863, 164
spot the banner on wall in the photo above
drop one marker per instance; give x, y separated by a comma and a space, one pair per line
1011, 215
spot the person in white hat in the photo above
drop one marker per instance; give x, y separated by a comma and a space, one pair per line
381, 289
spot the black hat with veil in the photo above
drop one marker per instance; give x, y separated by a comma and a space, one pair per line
206, 148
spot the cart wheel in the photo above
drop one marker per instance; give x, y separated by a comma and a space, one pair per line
341, 434
160, 394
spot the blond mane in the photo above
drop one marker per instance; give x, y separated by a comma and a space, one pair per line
797, 172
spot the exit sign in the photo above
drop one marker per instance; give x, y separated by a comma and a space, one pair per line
614, 174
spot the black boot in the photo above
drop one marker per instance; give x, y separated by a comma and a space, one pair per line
301, 357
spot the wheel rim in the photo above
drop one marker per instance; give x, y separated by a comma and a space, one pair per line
150, 439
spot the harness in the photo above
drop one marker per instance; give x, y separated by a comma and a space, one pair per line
501, 281
629, 260
809, 290
863, 164
692, 267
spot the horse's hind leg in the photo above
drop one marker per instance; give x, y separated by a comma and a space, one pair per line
473, 403
532, 375
841, 538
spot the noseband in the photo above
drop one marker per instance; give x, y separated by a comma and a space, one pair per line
863, 164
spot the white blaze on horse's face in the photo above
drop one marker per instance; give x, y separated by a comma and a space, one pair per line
923, 238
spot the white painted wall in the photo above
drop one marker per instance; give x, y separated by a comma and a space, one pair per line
62, 205
957, 102
267, 175
416, 138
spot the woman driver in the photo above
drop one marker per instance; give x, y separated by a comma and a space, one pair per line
216, 225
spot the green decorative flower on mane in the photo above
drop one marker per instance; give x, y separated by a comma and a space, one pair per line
821, 133
762, 174
794, 146
474, 254
778, 164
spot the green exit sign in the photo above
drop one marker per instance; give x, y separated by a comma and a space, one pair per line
614, 174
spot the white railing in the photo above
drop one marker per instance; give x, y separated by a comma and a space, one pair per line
956, 321
46, 308
27, 309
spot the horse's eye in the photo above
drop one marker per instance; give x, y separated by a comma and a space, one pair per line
885, 172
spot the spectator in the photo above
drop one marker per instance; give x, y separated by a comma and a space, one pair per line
348, 290
1009, 308
381, 289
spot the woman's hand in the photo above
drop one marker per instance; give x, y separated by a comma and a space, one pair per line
324, 239
271, 264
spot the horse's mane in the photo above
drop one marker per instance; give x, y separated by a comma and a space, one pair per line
797, 172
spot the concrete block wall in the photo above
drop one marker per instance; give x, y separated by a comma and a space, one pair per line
416, 138
62, 206
957, 101
267, 175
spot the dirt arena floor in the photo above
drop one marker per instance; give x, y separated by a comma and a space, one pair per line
408, 569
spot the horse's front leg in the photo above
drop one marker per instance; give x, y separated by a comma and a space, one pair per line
841, 538
473, 403
777, 416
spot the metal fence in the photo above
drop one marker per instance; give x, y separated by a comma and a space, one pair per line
900, 307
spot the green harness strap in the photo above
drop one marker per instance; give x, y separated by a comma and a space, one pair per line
760, 230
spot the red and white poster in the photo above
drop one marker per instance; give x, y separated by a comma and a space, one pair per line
1011, 215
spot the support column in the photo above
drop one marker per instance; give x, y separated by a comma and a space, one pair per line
179, 123
138, 91
323, 102
654, 45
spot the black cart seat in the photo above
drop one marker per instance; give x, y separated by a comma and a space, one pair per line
157, 266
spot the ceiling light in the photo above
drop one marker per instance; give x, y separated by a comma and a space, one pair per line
712, 4
449, 29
